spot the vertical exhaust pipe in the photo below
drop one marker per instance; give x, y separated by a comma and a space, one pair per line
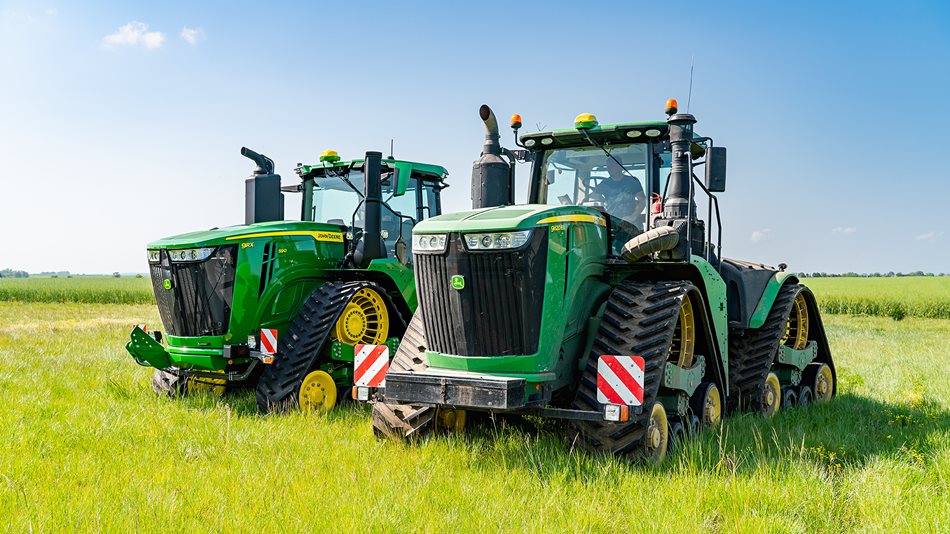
371, 246
263, 200
492, 176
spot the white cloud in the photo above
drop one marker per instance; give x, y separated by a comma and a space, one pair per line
847, 230
192, 35
760, 235
928, 236
133, 34
51, 11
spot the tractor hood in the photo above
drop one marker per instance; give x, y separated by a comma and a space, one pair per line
230, 234
509, 218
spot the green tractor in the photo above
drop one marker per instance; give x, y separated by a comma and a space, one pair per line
279, 304
604, 300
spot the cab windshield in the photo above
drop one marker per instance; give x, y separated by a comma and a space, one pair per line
612, 178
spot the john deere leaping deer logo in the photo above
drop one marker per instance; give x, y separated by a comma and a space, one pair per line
167, 283
458, 281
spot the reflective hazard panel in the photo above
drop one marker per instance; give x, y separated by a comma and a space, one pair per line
620, 380
269, 340
370, 364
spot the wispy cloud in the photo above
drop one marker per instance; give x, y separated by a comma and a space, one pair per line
51, 12
134, 34
193, 36
928, 236
846, 230
760, 235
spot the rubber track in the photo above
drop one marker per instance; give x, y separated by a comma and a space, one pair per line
639, 319
404, 421
752, 352
303, 342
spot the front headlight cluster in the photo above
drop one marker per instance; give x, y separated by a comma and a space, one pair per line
428, 242
190, 254
153, 256
497, 240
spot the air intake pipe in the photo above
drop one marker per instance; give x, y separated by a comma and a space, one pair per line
492, 175
371, 246
679, 200
263, 200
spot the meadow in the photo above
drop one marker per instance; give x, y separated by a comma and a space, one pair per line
88, 446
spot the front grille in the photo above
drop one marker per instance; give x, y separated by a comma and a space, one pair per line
498, 312
198, 303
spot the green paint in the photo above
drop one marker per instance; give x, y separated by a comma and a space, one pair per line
768, 298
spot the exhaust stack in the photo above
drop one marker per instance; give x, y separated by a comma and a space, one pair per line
263, 200
492, 176
679, 201
371, 246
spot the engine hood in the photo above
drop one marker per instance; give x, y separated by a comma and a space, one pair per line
230, 234
509, 218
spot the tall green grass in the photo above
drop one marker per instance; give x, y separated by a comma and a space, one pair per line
88, 290
86, 446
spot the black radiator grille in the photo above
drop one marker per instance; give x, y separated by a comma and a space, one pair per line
198, 299
498, 312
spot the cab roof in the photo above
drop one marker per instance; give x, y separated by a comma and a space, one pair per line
423, 170
613, 133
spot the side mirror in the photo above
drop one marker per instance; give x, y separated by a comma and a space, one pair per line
401, 174
716, 169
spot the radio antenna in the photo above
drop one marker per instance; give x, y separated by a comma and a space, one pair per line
391, 148
690, 94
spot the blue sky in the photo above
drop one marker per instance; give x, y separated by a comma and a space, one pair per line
120, 122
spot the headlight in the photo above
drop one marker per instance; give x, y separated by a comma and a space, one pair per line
497, 240
190, 254
153, 256
428, 242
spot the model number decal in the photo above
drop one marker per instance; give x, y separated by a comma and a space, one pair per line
557, 227
247, 244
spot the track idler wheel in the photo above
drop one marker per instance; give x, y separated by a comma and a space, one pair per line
820, 379
317, 392
771, 396
450, 420
678, 434
657, 439
789, 398
706, 404
805, 396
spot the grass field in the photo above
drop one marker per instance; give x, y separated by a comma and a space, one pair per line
87, 446
91, 290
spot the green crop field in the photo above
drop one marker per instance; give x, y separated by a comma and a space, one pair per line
911, 296
87, 446
91, 289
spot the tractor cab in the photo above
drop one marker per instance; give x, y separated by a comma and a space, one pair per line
334, 193
621, 170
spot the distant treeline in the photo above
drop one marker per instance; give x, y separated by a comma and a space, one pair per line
10, 273
891, 274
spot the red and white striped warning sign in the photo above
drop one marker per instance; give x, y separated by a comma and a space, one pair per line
371, 363
269, 340
620, 380
142, 326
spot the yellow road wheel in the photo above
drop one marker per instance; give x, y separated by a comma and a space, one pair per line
684, 336
709, 404
365, 319
450, 420
216, 386
824, 383
657, 439
796, 326
771, 395
317, 392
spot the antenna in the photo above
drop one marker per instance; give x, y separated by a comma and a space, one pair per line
391, 141
690, 94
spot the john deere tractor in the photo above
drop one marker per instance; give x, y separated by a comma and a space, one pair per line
281, 304
604, 300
